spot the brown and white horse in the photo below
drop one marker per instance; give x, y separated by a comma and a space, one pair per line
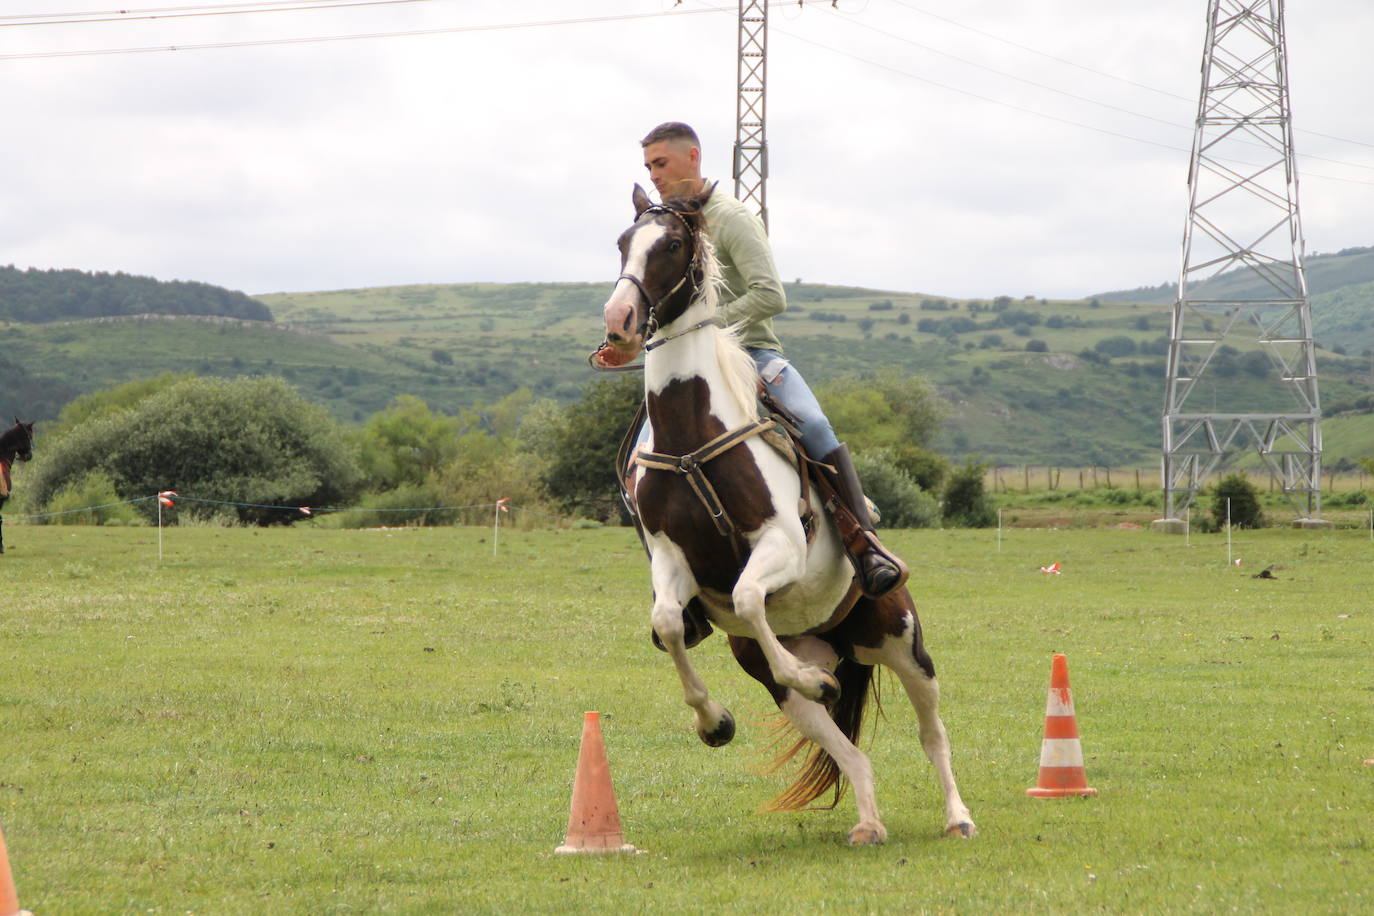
781, 600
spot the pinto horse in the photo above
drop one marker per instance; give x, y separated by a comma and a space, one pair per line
15, 443
723, 514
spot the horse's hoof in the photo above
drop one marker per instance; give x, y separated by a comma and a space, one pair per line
867, 836
722, 734
829, 689
966, 830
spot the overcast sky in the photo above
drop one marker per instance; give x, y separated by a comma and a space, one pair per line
899, 159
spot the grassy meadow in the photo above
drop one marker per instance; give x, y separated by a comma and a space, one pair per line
387, 721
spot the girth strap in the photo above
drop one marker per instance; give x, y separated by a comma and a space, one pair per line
690, 466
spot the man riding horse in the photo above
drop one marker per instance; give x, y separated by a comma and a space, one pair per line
751, 296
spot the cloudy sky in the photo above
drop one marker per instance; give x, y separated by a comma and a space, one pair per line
951, 147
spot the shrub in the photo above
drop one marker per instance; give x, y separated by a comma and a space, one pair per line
966, 501
94, 494
1244, 498
387, 509
1120, 345
254, 441
901, 502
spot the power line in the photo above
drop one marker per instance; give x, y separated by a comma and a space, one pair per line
1071, 95
1093, 70
189, 12
240, 4
269, 42
1023, 109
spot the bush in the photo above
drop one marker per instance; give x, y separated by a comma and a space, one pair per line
1244, 497
386, 510
966, 500
94, 493
900, 501
253, 442
1120, 345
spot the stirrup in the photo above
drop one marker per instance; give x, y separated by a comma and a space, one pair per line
866, 567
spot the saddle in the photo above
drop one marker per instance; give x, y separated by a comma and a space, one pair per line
4, 481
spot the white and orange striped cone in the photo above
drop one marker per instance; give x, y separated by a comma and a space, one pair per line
593, 817
9, 898
1061, 753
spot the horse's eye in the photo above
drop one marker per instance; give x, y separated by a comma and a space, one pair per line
675, 245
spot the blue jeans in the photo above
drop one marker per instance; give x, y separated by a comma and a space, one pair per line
786, 384
790, 390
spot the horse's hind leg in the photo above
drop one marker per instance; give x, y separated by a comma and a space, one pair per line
673, 588
902, 651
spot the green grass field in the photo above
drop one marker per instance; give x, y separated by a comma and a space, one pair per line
322, 721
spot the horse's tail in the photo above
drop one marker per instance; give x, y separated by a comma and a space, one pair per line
819, 772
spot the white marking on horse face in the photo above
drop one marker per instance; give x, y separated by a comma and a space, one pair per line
625, 296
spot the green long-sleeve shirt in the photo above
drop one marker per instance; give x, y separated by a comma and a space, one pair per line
753, 293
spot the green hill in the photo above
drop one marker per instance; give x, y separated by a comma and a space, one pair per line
1027, 381
49, 295
1325, 272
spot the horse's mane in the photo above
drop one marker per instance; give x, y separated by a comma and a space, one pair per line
741, 375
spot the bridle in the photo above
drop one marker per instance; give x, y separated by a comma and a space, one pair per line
651, 323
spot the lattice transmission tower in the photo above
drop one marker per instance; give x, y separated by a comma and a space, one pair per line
1241, 369
751, 108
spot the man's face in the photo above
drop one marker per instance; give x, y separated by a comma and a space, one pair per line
674, 167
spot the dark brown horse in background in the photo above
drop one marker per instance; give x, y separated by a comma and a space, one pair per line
723, 515
15, 443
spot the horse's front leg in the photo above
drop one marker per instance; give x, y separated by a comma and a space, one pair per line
777, 560
674, 586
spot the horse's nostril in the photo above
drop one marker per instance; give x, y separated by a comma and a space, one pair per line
614, 337
629, 316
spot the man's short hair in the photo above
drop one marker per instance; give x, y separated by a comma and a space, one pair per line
671, 130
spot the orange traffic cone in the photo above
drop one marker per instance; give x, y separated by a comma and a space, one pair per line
1061, 753
593, 819
9, 899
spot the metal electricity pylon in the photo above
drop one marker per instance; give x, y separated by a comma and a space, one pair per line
1241, 368
751, 143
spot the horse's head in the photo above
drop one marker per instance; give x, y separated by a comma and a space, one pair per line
19, 438
660, 272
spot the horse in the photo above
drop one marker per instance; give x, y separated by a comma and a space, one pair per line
723, 514
15, 442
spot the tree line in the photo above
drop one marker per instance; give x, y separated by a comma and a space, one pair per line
255, 448
35, 295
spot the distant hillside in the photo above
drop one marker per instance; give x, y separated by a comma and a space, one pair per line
1341, 287
1325, 272
1026, 381
50, 295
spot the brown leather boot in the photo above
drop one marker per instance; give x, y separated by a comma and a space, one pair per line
880, 571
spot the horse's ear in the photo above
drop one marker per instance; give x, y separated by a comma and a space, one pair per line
700, 200
641, 201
